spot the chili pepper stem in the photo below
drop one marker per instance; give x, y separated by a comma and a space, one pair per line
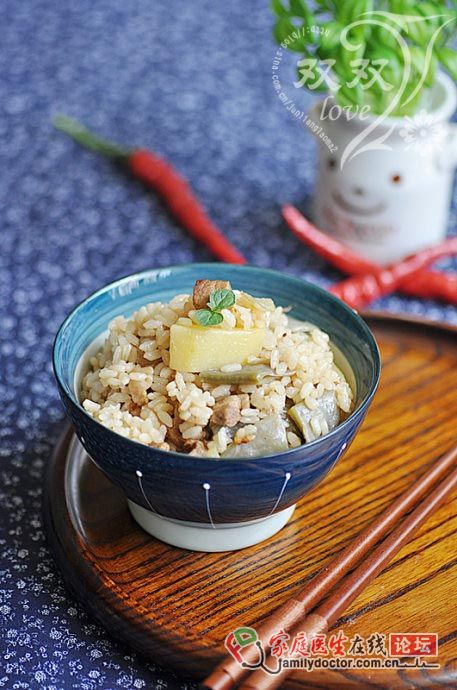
91, 141
159, 175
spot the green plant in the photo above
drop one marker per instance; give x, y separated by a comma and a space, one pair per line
404, 41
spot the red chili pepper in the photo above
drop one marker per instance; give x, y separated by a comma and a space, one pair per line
433, 284
361, 290
160, 176
426, 283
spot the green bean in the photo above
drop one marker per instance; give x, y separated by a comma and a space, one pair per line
249, 374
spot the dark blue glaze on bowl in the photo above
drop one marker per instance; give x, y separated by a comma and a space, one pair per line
179, 486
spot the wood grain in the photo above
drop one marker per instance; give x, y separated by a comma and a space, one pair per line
178, 606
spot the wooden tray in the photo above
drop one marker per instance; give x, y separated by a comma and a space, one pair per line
177, 606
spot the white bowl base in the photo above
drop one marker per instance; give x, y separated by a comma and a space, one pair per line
196, 536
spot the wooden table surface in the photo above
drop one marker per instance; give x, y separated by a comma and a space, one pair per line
178, 606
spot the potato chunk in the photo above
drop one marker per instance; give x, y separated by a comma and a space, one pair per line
203, 290
196, 348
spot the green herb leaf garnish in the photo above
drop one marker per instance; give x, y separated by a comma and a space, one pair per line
221, 299
206, 317
218, 300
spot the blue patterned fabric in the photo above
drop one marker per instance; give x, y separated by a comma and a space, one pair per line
192, 80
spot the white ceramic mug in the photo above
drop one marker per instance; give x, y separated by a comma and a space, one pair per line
388, 203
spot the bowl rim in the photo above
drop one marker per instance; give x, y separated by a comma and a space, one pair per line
299, 282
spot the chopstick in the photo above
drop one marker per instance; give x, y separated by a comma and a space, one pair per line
327, 613
228, 673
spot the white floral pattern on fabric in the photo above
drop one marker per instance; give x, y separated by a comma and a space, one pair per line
195, 85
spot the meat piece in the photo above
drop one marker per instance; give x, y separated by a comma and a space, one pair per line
133, 408
244, 400
138, 392
174, 436
226, 412
194, 447
141, 359
204, 288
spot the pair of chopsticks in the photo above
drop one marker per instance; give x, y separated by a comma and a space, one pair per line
299, 614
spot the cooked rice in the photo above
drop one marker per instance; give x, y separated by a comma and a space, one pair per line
132, 390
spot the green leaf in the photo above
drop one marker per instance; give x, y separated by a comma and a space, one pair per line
221, 299
282, 29
299, 8
206, 317
330, 37
429, 10
357, 9
278, 8
389, 66
402, 6
351, 96
310, 27
448, 58
289, 34
420, 31
342, 67
411, 107
383, 37
418, 63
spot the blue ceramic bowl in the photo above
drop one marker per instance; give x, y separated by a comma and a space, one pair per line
204, 491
